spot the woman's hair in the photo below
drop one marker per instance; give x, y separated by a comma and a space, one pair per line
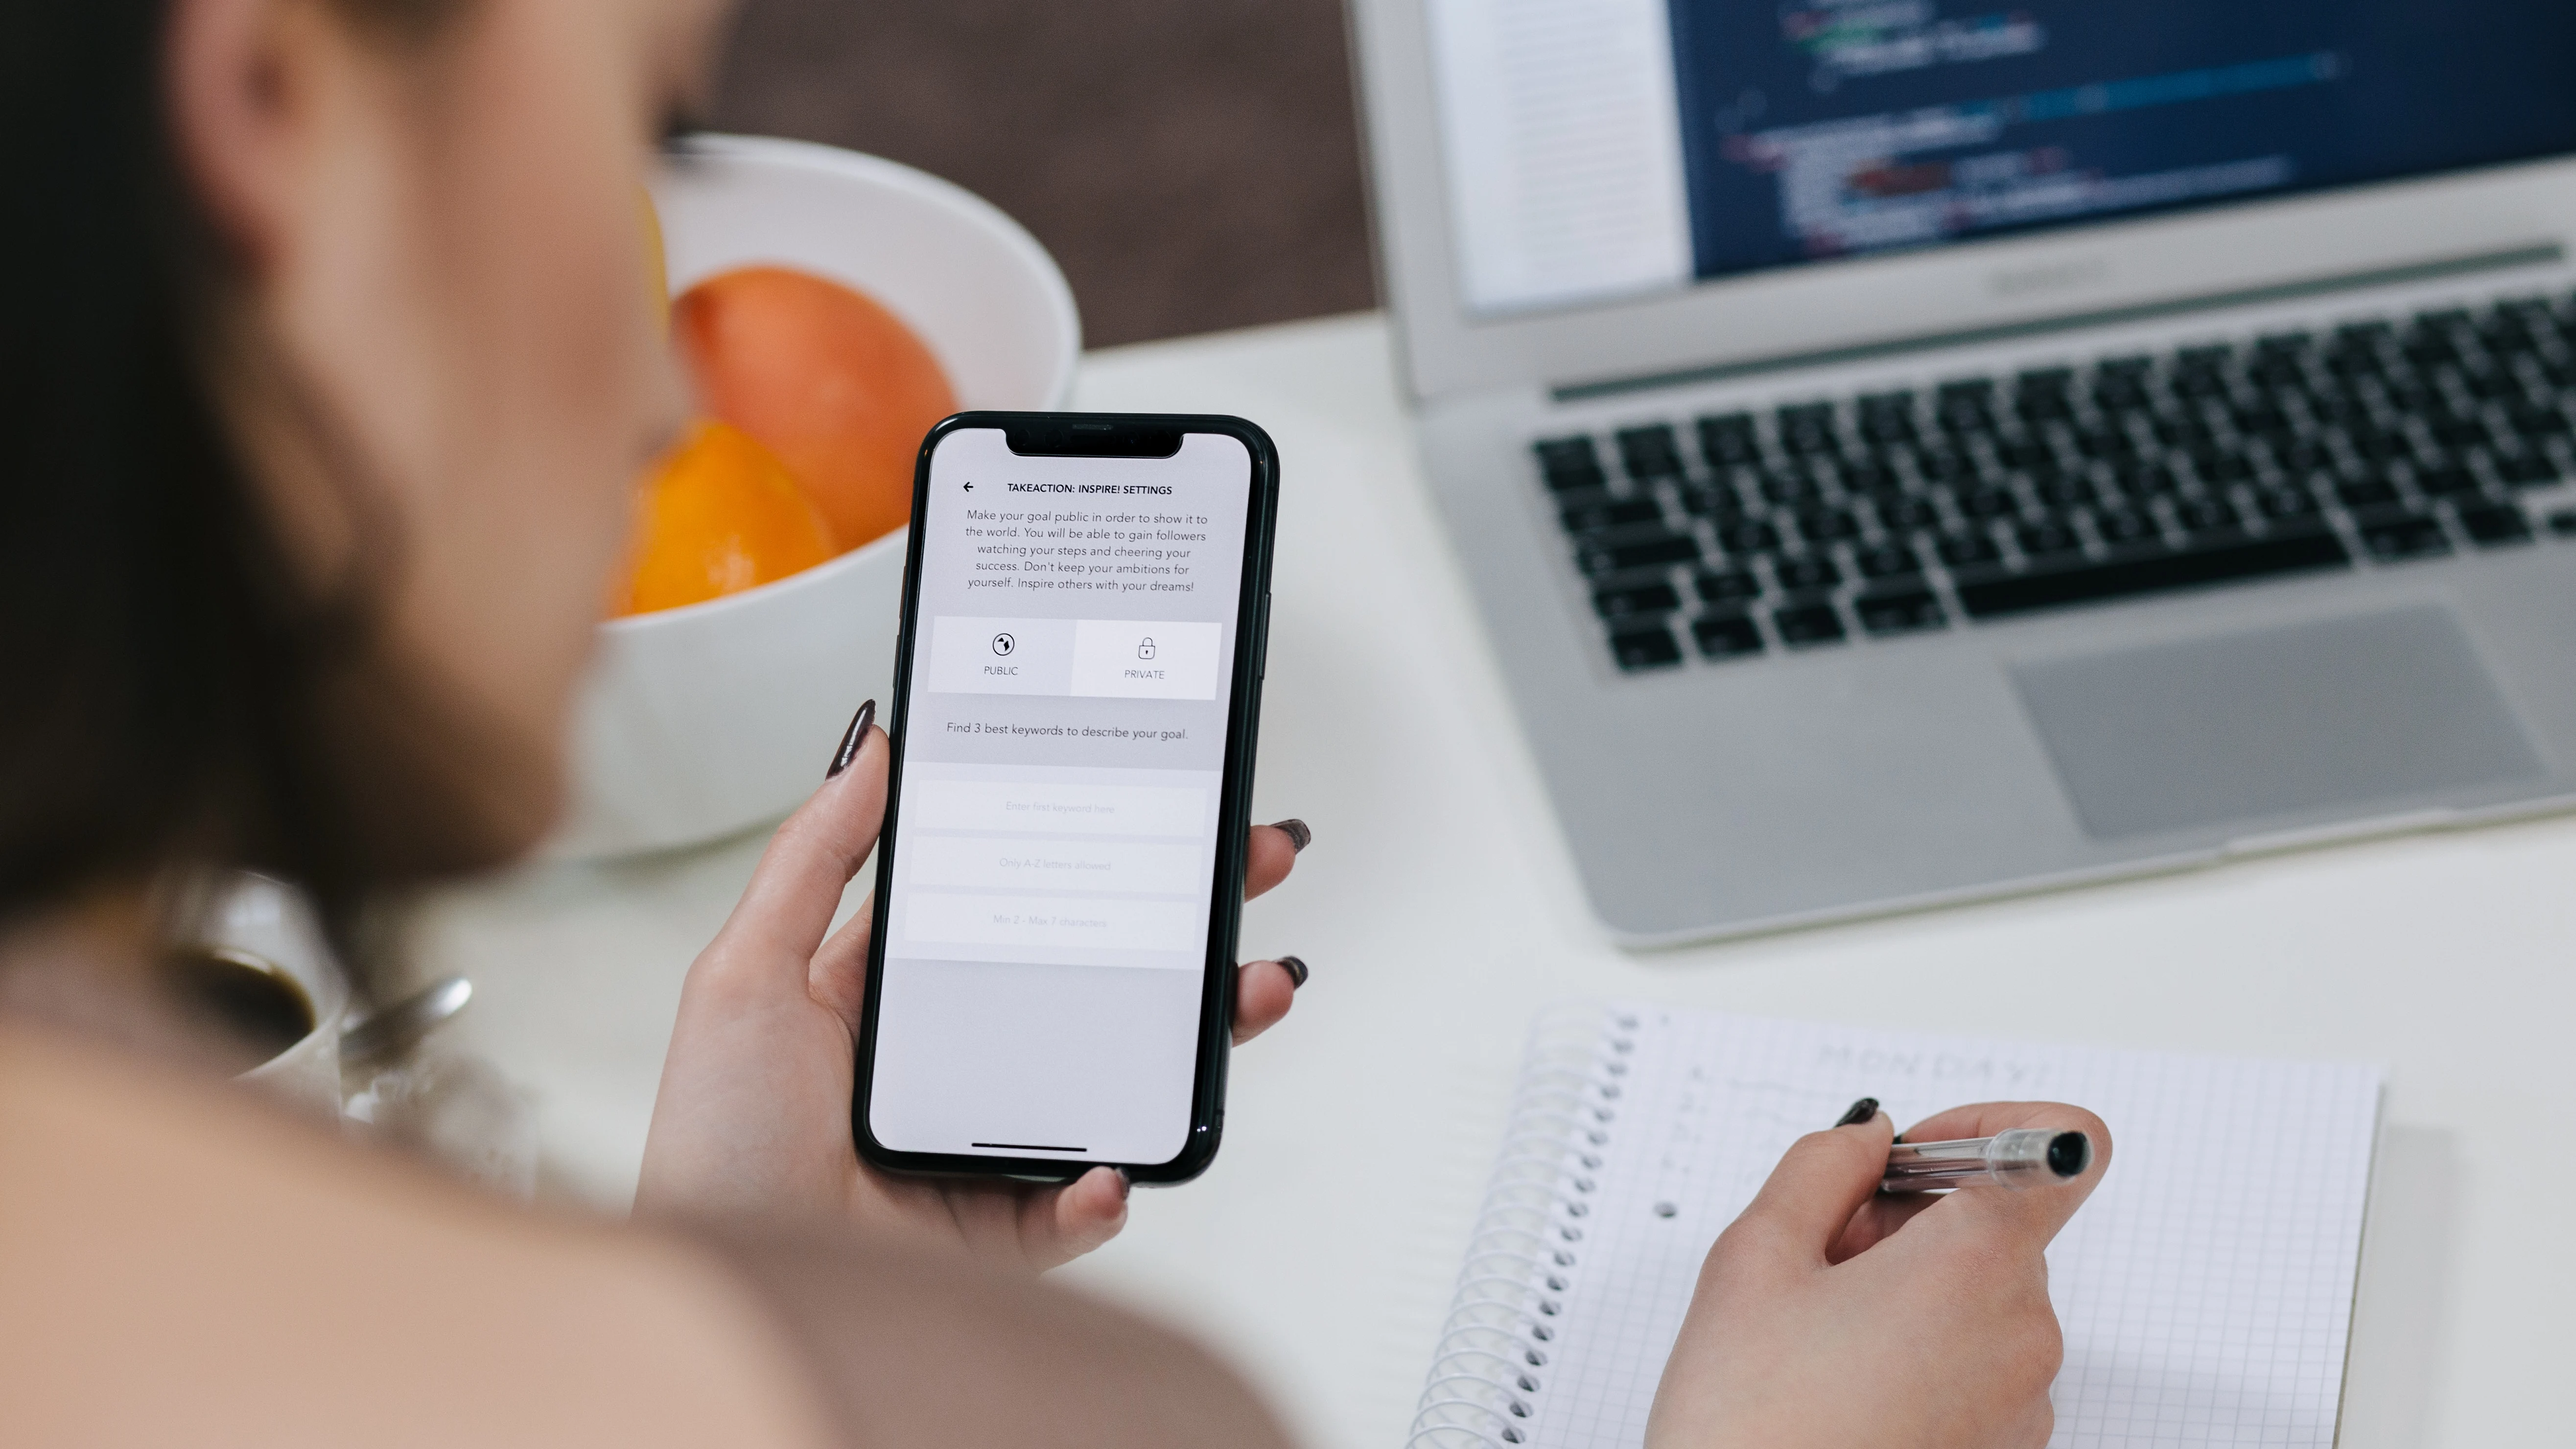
163, 670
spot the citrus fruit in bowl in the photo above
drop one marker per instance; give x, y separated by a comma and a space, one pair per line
818, 281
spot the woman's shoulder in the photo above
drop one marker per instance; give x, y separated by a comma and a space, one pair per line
175, 1256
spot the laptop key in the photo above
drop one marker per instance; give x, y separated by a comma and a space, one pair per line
1611, 513
1887, 418
2527, 470
1636, 600
1870, 476
2495, 527
2461, 434
1963, 550
1727, 636
1747, 535
2117, 391
1965, 407
1570, 465
1807, 429
1805, 573
2205, 514
1574, 452
2286, 501
2367, 493
1907, 513
2538, 422
1729, 441
2146, 479
1727, 586
1946, 465
1986, 504
2125, 527
2397, 539
2220, 470
2494, 384
1901, 611
1644, 553
1637, 649
1713, 499
2066, 492
2161, 571
1791, 486
1826, 525
1888, 560
2040, 540
1650, 452
2446, 482
1809, 625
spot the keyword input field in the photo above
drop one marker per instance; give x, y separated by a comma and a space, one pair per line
1142, 866
1053, 922
1057, 807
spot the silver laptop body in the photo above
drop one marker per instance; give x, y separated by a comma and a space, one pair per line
2038, 520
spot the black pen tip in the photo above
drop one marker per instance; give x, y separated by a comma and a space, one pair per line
2069, 1153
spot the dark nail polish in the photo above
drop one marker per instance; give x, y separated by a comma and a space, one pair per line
1296, 970
1861, 1111
850, 742
1299, 837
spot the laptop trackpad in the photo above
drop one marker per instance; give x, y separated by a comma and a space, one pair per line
2274, 722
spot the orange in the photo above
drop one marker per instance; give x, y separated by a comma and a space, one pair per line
837, 386
717, 516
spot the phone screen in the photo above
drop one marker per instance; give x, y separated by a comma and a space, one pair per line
1052, 876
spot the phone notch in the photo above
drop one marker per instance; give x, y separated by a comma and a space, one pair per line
1092, 437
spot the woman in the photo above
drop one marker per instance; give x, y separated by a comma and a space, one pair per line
326, 370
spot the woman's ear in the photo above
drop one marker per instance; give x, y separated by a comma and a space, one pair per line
247, 83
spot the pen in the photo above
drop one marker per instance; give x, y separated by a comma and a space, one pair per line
2022, 1157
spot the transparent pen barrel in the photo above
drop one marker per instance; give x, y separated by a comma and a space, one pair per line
2016, 1159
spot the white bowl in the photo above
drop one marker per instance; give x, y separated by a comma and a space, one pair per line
702, 721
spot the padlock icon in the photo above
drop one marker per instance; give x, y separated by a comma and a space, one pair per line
1146, 649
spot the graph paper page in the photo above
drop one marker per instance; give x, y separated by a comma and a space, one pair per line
2205, 1290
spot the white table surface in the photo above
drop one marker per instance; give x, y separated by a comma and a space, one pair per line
1439, 910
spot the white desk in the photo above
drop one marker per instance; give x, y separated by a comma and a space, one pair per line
1438, 909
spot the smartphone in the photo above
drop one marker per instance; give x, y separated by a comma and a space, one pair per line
1077, 692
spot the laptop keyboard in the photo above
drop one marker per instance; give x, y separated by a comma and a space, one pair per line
1897, 513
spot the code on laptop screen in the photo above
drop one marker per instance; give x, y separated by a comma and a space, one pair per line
1599, 148
1816, 128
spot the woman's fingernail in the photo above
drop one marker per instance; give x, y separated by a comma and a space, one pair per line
1296, 970
850, 742
1299, 837
1861, 1111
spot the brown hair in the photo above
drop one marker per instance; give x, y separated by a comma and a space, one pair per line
163, 675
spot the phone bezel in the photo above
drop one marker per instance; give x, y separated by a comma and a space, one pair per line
1251, 640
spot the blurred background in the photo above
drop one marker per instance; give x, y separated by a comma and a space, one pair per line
1193, 164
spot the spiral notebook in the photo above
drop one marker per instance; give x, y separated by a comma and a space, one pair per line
2205, 1290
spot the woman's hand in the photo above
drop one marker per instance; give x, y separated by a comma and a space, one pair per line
1830, 1316
753, 1117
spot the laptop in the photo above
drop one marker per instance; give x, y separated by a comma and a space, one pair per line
1906, 451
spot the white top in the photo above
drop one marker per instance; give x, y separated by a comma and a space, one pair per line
1439, 910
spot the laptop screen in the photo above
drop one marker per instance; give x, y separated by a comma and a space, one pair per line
1606, 148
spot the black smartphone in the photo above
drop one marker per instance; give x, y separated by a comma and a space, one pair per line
1077, 691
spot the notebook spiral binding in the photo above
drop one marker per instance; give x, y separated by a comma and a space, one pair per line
1488, 1380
